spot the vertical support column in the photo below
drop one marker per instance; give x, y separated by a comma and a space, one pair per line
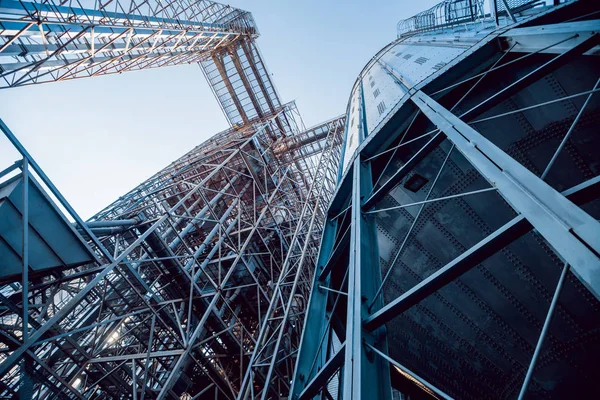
365, 374
471, 10
133, 380
312, 353
25, 391
25, 255
494, 7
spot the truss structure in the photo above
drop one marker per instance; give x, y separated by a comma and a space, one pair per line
281, 328
187, 285
187, 267
59, 40
443, 243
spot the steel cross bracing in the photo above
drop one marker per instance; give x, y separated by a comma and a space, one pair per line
59, 40
460, 256
273, 355
183, 278
241, 82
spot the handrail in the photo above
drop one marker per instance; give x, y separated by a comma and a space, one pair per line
451, 13
444, 14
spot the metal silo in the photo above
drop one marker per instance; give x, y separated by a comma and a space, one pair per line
461, 254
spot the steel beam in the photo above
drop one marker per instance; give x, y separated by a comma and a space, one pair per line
545, 327
571, 231
538, 38
533, 76
505, 235
319, 382
363, 376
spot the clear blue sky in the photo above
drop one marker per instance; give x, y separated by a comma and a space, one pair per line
98, 138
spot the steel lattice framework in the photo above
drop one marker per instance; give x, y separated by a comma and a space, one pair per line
281, 329
444, 243
60, 40
186, 267
191, 282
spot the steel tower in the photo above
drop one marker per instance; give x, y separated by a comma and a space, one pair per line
195, 283
460, 256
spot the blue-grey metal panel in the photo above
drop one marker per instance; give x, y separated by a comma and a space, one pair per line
52, 241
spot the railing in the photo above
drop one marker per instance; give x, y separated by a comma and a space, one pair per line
445, 14
451, 13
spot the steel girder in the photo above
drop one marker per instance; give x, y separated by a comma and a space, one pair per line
52, 41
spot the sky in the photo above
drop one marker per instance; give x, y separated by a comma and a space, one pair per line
98, 138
